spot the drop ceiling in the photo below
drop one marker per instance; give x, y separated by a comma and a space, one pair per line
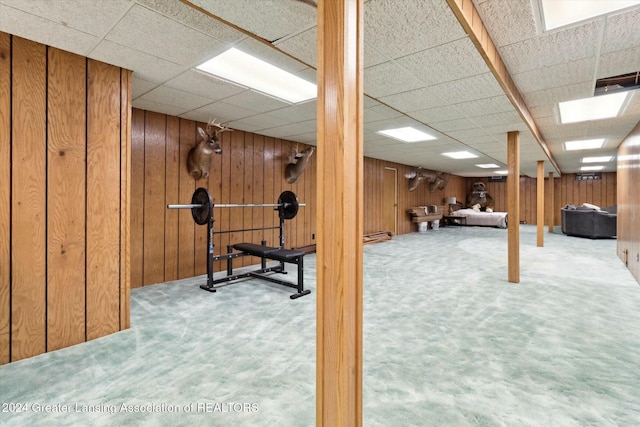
421, 70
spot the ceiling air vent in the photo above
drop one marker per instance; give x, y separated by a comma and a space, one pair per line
619, 83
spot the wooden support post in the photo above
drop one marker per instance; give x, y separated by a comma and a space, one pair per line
513, 205
540, 204
550, 205
340, 214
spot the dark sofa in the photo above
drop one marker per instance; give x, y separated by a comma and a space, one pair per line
589, 221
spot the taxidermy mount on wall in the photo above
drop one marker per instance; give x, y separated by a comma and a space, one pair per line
437, 180
199, 157
298, 164
480, 197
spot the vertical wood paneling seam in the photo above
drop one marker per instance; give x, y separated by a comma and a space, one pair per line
144, 174
120, 212
10, 196
164, 200
86, 189
179, 186
46, 198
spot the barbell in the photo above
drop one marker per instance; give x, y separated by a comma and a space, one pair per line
201, 205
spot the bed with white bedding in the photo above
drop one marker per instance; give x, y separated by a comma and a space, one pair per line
487, 219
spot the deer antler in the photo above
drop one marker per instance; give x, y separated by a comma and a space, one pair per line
220, 128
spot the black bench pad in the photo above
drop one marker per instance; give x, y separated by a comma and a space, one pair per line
253, 249
285, 255
268, 251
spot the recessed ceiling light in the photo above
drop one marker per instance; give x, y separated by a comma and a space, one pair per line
600, 159
488, 166
586, 144
558, 13
407, 134
594, 108
591, 168
246, 70
460, 155
502, 172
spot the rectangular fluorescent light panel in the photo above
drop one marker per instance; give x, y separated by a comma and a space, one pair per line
407, 134
594, 108
246, 70
591, 168
502, 172
587, 144
460, 155
488, 166
600, 159
558, 13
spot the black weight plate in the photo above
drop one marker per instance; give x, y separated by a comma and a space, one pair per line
202, 214
288, 202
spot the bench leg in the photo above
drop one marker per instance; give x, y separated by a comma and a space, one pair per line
229, 261
301, 291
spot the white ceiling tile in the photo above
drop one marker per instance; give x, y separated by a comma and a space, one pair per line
482, 106
140, 86
144, 30
297, 112
379, 111
438, 114
550, 49
514, 18
303, 46
257, 122
619, 62
387, 79
35, 28
195, 19
453, 125
498, 119
255, 101
468, 89
290, 129
197, 82
392, 25
373, 56
564, 74
419, 99
551, 97
157, 107
220, 110
450, 61
88, 17
621, 31
270, 20
147, 67
176, 98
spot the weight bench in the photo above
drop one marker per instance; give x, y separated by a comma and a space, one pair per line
264, 252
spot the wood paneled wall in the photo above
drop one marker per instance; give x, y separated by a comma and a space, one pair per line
166, 243
628, 244
566, 191
374, 201
64, 153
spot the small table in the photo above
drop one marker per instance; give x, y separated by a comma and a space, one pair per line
453, 220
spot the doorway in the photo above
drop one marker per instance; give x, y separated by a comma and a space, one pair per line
390, 200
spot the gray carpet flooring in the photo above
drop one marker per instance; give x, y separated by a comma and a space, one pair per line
447, 342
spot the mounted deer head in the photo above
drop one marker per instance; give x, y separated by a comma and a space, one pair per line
297, 165
438, 181
199, 157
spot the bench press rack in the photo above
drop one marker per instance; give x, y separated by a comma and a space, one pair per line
202, 211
